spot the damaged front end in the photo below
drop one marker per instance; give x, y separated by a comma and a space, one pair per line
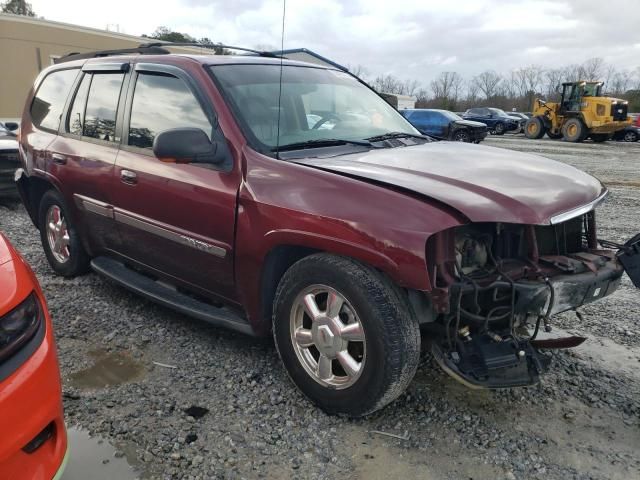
495, 285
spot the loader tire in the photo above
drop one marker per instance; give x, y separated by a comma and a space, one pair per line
534, 128
574, 130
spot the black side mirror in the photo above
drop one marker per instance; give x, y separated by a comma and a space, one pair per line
11, 126
184, 145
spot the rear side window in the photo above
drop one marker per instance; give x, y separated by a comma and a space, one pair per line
48, 103
102, 105
75, 122
162, 102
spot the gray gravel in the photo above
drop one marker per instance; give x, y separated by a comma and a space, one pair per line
581, 422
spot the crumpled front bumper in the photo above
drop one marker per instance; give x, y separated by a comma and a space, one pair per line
568, 291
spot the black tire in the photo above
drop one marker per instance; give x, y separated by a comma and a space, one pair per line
574, 130
534, 128
599, 137
500, 128
554, 136
391, 333
461, 136
77, 262
630, 136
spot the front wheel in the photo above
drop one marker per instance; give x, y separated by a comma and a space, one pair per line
630, 136
345, 334
461, 136
534, 128
59, 237
500, 128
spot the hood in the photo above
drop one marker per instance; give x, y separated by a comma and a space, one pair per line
8, 143
485, 184
470, 123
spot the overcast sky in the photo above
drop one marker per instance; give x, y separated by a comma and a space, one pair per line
410, 39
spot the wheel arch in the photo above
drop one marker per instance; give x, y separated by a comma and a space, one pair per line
32, 189
286, 248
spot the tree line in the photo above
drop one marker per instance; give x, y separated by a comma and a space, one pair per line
515, 89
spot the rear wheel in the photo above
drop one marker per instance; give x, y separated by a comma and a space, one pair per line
574, 130
599, 137
499, 129
630, 136
59, 237
461, 136
534, 128
345, 334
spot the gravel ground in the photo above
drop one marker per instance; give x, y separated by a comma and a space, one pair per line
581, 422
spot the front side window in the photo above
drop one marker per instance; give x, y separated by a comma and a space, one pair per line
162, 102
315, 104
102, 105
48, 103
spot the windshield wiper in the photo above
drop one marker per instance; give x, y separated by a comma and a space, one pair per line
320, 142
387, 136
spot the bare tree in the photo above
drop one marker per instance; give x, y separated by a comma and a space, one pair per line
472, 92
552, 80
488, 83
358, 70
410, 87
621, 82
447, 85
592, 69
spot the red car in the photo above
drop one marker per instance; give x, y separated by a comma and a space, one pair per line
263, 194
33, 443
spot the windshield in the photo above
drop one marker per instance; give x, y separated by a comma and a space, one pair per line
317, 104
450, 115
499, 112
592, 90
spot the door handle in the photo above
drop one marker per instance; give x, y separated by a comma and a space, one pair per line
59, 159
128, 177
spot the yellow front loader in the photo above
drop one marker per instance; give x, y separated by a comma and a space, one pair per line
581, 113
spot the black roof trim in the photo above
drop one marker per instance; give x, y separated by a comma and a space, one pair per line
313, 54
210, 46
141, 50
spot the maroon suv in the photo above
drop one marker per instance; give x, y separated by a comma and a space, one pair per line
264, 195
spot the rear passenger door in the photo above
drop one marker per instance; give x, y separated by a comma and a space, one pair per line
84, 154
177, 220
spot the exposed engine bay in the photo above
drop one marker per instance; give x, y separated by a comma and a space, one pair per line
496, 285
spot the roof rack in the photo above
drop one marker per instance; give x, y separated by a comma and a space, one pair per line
141, 50
210, 46
156, 48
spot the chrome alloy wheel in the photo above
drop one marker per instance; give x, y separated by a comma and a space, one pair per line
328, 337
58, 234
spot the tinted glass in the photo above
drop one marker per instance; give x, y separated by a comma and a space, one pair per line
316, 104
48, 103
439, 119
75, 121
102, 104
162, 102
450, 115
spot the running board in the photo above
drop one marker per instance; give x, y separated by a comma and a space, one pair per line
165, 295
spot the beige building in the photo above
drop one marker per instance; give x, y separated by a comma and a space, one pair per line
28, 45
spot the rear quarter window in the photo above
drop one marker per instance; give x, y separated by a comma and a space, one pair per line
48, 102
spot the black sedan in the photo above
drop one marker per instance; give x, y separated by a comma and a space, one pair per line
629, 134
495, 119
8, 158
445, 125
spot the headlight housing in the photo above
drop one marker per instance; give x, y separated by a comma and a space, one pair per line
19, 326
